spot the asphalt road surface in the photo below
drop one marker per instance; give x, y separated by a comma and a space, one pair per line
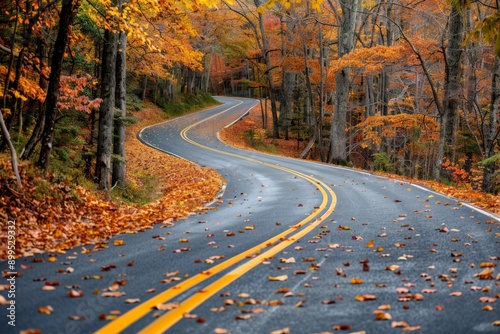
291, 246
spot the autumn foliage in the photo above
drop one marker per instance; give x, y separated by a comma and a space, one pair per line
235, 135
53, 215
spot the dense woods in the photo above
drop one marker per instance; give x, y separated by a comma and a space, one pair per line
406, 87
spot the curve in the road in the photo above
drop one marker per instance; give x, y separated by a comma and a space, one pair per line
255, 254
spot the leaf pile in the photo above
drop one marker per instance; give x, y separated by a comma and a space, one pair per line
52, 216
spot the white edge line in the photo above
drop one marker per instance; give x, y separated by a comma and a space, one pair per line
469, 205
139, 136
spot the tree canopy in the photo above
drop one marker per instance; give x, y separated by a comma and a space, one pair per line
415, 81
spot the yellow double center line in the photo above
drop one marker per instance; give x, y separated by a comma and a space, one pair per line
277, 244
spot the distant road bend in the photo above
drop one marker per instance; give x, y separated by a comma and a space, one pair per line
292, 246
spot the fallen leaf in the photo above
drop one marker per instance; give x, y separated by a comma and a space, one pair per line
396, 324
486, 274
341, 327
487, 264
281, 331
328, 301
356, 280
278, 278
75, 294
392, 267
45, 309
428, 291
275, 302
412, 328
132, 300
362, 298
242, 317
166, 306
402, 290
31, 331
300, 303
218, 309
381, 315
118, 242
115, 294
289, 260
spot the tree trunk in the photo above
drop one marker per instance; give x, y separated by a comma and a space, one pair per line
121, 106
338, 140
13, 154
453, 77
40, 122
493, 128
35, 136
271, 90
338, 148
106, 111
66, 16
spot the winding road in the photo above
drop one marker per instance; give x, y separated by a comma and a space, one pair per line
291, 246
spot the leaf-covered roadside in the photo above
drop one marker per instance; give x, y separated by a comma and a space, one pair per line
54, 216
238, 135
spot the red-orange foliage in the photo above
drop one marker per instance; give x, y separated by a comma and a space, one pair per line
72, 96
459, 175
376, 128
54, 216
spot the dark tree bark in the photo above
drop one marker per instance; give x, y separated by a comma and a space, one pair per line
121, 106
68, 10
271, 87
338, 141
453, 77
492, 132
106, 111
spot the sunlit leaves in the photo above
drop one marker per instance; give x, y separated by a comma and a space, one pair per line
370, 60
28, 88
375, 128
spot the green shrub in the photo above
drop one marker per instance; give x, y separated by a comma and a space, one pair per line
381, 162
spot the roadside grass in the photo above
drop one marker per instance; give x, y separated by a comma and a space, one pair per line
187, 103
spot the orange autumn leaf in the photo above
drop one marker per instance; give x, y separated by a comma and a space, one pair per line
356, 280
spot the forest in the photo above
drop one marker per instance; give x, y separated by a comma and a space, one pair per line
408, 87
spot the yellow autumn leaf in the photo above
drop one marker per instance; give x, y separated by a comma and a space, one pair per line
118, 242
356, 280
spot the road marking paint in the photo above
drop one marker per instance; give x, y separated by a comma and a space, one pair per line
144, 308
167, 320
